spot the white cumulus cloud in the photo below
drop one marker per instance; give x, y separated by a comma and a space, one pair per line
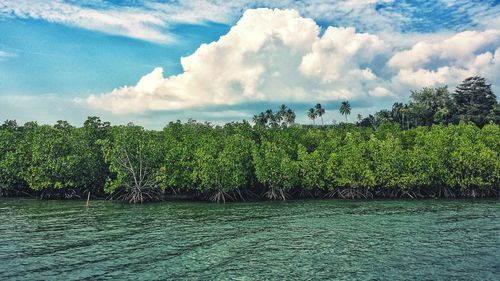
269, 55
273, 55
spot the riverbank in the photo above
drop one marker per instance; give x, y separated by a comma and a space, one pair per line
246, 196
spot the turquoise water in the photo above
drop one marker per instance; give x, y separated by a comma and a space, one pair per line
301, 240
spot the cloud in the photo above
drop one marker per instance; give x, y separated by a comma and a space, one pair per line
131, 22
152, 20
269, 55
279, 56
450, 60
460, 48
6, 55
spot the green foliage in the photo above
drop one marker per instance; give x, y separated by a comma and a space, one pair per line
473, 101
181, 142
311, 169
439, 144
473, 164
10, 164
429, 157
223, 167
59, 158
350, 165
275, 169
388, 162
232, 162
133, 155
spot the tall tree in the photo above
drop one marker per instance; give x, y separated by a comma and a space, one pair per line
312, 114
260, 119
290, 116
430, 105
474, 100
280, 115
319, 111
345, 109
271, 117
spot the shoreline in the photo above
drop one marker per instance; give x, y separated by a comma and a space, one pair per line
492, 194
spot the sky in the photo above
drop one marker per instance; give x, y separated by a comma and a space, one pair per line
152, 62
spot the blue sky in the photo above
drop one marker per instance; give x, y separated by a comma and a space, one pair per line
121, 60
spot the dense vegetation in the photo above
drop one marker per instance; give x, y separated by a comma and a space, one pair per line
392, 154
472, 101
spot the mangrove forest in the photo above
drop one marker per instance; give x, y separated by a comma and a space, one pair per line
439, 144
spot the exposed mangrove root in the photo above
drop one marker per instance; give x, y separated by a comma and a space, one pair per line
403, 193
137, 195
275, 193
318, 193
446, 192
52, 193
250, 195
237, 193
494, 192
331, 194
154, 193
354, 193
220, 196
303, 193
71, 194
477, 193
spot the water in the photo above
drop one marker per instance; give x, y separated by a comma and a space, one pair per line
301, 240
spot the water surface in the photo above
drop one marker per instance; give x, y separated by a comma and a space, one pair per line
303, 240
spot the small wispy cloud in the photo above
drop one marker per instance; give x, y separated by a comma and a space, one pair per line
6, 55
151, 20
130, 22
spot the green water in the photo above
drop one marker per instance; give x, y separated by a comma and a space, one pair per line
301, 240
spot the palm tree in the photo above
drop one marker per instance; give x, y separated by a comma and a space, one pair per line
270, 118
359, 117
255, 119
260, 119
320, 111
312, 114
345, 109
289, 116
281, 114
397, 112
282, 109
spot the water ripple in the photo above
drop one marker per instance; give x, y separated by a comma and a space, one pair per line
304, 240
